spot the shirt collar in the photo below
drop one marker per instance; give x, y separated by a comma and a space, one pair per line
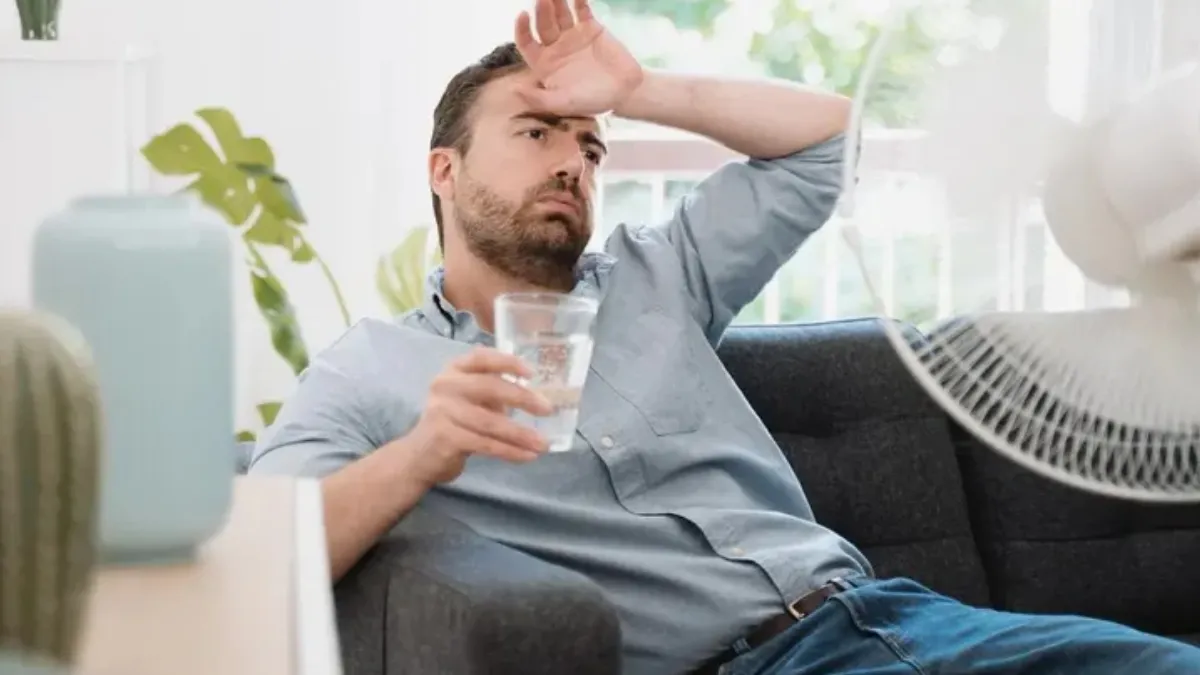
461, 325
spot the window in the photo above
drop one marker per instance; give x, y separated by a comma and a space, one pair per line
931, 264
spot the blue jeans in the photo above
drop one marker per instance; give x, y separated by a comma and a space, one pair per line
898, 627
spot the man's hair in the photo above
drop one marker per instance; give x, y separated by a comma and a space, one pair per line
451, 117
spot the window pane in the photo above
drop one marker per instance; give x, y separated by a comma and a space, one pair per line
1035, 266
625, 201
822, 44
916, 283
801, 285
755, 312
674, 191
975, 268
853, 299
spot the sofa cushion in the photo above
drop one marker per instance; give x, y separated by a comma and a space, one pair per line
873, 453
1049, 548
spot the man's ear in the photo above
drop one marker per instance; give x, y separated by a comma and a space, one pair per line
443, 171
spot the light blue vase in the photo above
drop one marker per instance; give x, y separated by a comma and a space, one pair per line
148, 282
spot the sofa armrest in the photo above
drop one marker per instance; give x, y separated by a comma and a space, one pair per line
434, 597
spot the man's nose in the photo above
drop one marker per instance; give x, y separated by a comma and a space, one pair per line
571, 167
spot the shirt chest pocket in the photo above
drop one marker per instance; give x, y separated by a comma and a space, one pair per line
651, 365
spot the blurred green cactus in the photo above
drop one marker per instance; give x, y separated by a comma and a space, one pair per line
50, 461
39, 19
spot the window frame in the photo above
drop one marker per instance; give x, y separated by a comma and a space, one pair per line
1126, 39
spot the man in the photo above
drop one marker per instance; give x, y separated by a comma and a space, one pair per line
676, 501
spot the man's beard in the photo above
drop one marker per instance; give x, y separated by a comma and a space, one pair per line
521, 241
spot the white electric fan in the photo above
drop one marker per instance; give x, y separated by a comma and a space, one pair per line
1106, 399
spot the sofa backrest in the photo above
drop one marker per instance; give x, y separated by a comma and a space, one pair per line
874, 454
883, 466
1049, 548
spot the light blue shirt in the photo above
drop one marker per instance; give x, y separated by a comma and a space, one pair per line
675, 500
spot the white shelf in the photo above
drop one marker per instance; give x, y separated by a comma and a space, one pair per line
55, 51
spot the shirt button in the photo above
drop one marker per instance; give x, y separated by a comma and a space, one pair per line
737, 551
607, 441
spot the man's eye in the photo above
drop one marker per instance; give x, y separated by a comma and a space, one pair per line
593, 156
536, 134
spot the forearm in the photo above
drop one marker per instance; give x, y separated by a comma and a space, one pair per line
364, 500
761, 119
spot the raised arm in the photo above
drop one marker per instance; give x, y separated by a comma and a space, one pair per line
762, 119
744, 222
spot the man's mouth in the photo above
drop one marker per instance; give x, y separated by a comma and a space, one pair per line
562, 201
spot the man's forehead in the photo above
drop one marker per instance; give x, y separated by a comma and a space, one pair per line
501, 98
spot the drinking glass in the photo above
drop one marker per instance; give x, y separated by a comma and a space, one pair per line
552, 334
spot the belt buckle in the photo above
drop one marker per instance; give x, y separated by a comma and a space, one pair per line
793, 608
794, 611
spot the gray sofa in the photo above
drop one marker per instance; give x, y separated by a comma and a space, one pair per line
880, 463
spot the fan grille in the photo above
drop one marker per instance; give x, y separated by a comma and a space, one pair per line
992, 382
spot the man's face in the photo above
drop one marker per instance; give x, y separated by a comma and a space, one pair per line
522, 194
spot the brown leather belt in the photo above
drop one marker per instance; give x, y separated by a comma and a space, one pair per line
777, 624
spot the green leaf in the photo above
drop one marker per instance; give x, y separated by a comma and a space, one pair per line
245, 436
280, 315
304, 254
269, 411
180, 151
277, 195
224, 188
270, 230
400, 275
225, 128
256, 151
237, 148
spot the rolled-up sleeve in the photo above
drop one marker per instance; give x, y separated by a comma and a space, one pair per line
323, 426
742, 223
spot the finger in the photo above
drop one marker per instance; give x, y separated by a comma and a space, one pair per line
562, 15
497, 393
547, 22
583, 11
494, 361
485, 445
501, 429
523, 37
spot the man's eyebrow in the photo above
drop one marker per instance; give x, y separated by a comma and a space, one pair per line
560, 122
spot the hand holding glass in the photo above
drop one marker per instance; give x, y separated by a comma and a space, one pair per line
552, 334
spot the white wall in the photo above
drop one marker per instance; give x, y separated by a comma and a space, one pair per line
1181, 32
343, 91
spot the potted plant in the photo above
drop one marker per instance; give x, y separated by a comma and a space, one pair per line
242, 184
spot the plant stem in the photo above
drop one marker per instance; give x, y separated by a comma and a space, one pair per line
337, 291
258, 259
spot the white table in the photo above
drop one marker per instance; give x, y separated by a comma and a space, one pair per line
257, 601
